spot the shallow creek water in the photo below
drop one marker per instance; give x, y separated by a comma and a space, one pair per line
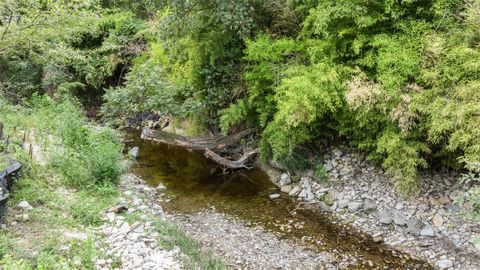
195, 184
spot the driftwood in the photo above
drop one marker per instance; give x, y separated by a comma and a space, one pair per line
215, 148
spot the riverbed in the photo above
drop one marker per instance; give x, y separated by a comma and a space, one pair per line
195, 185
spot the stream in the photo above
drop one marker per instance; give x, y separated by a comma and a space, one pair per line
194, 184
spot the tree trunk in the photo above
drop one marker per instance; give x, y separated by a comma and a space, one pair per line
215, 148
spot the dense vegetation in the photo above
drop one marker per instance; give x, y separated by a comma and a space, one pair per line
397, 79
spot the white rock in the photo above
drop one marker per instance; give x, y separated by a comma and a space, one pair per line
343, 203
161, 187
295, 191
274, 196
24, 205
284, 179
444, 264
355, 206
427, 231
124, 229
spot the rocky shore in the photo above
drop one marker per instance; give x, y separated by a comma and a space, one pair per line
431, 226
131, 245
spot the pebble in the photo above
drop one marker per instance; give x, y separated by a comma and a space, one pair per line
274, 196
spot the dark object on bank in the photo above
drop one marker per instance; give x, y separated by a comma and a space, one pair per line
4, 195
9, 175
117, 209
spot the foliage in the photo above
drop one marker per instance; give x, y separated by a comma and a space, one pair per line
397, 79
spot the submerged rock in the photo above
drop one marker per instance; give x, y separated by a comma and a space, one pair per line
134, 152
274, 196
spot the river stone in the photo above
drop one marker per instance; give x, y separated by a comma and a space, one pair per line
274, 196
295, 191
453, 208
444, 264
124, 229
284, 180
399, 219
437, 220
343, 203
414, 226
355, 206
325, 207
427, 231
134, 152
286, 189
161, 187
385, 216
369, 205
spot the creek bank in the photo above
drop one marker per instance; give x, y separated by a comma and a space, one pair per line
239, 245
134, 243
429, 227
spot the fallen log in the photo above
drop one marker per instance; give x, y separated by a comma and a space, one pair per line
242, 163
215, 148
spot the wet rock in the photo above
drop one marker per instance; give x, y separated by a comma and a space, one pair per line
161, 187
427, 231
444, 264
399, 219
369, 205
385, 216
134, 152
24, 205
355, 206
286, 189
284, 179
274, 196
414, 226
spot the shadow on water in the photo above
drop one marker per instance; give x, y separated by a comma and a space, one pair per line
194, 184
